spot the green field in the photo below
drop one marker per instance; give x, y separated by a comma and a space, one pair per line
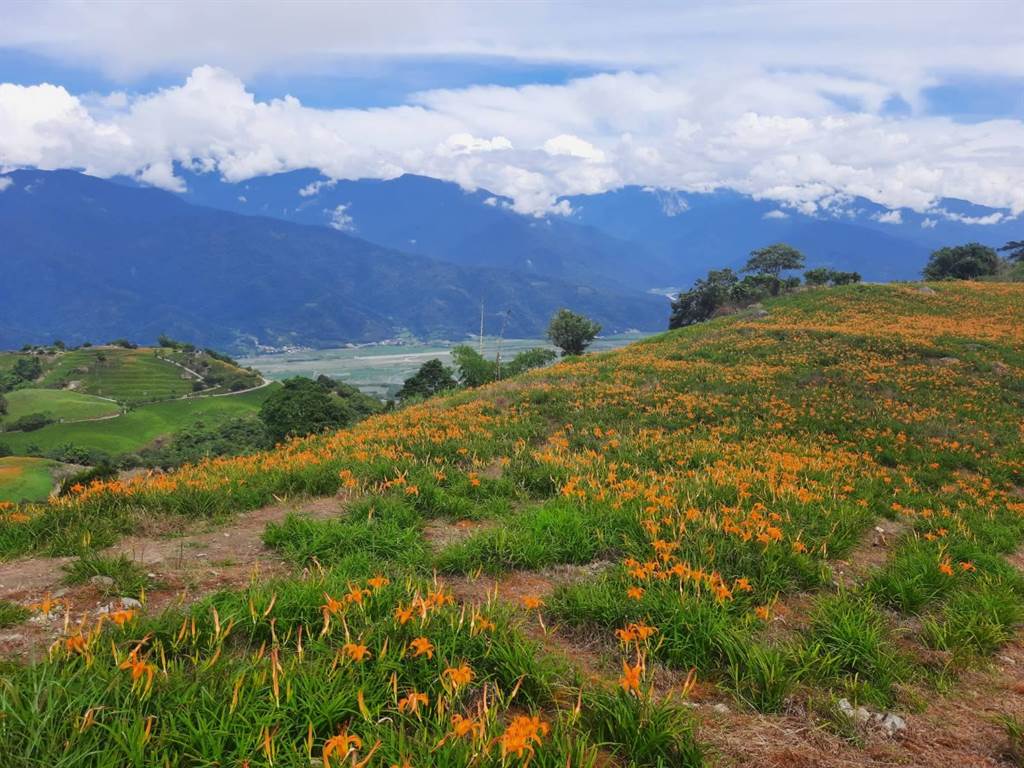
58, 404
127, 375
26, 479
138, 427
380, 370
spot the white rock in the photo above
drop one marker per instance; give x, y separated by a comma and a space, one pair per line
721, 709
892, 724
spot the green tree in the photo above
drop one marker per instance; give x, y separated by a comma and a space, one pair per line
536, 357
432, 378
473, 369
572, 333
27, 368
302, 407
962, 262
1014, 251
845, 278
703, 299
818, 276
774, 259
3, 405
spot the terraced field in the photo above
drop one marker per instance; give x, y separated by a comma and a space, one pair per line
138, 427
57, 404
782, 540
126, 375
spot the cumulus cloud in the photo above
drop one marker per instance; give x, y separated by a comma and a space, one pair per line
5, 182
313, 188
777, 136
889, 217
340, 219
776, 214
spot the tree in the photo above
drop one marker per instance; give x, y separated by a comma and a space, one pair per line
3, 405
432, 377
302, 407
773, 259
474, 370
818, 276
1014, 251
845, 278
572, 333
537, 357
27, 369
962, 262
703, 299
826, 276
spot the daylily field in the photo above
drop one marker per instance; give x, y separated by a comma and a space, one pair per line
685, 552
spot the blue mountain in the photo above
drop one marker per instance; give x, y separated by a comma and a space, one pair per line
630, 238
85, 259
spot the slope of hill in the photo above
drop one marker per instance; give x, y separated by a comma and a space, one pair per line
765, 514
85, 259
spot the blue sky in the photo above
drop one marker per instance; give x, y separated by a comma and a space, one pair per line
802, 103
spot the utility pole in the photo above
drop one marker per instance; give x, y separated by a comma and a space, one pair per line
481, 327
501, 336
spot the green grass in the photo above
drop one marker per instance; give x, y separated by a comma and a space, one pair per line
126, 375
139, 427
12, 613
26, 479
57, 404
723, 469
130, 580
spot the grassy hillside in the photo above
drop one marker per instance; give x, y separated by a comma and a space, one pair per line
137, 428
25, 479
693, 515
126, 375
57, 404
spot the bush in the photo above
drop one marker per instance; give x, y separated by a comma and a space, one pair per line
30, 422
432, 378
962, 262
572, 333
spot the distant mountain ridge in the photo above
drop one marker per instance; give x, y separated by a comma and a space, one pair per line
631, 237
88, 260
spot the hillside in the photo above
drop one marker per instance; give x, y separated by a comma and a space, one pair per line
86, 259
713, 545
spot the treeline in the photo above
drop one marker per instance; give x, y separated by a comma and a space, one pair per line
570, 332
724, 290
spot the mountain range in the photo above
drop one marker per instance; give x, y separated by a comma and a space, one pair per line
88, 260
297, 258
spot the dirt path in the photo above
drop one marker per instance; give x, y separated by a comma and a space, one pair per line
182, 568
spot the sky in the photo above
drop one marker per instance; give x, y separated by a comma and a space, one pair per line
803, 103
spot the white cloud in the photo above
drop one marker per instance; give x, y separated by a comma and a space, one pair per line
340, 219
929, 224
889, 217
987, 220
774, 135
313, 188
776, 214
5, 182
573, 146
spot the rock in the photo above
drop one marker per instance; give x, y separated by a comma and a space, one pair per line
130, 603
859, 715
925, 289
720, 708
892, 724
102, 582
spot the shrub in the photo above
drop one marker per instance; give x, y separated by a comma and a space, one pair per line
962, 262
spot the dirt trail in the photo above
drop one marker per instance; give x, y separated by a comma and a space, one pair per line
183, 569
